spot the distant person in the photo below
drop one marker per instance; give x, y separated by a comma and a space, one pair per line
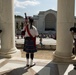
30, 40
18, 33
73, 32
41, 41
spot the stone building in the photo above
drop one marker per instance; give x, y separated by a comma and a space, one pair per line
45, 21
19, 23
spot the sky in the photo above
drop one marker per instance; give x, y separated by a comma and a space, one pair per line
32, 7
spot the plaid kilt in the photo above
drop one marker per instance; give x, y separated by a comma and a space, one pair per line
29, 45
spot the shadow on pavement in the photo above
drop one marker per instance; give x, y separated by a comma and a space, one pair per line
72, 72
18, 71
49, 69
57, 69
66, 69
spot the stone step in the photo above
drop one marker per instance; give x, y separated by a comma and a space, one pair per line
46, 47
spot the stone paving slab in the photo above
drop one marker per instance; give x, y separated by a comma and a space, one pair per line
66, 69
16, 66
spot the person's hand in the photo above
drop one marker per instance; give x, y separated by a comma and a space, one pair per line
0, 31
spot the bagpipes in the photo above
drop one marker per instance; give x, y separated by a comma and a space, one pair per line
30, 20
26, 21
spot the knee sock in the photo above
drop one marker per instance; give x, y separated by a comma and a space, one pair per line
27, 57
31, 56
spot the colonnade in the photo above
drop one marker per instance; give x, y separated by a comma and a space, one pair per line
65, 20
7, 26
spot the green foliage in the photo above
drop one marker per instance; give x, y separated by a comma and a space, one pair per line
18, 16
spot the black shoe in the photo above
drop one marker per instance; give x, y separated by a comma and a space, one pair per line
27, 65
74, 68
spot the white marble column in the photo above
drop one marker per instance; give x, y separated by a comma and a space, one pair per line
65, 20
7, 25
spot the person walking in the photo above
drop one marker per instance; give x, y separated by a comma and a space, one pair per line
30, 40
73, 32
41, 41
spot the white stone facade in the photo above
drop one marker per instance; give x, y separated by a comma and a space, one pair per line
45, 21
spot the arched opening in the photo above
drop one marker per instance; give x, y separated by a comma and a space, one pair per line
50, 22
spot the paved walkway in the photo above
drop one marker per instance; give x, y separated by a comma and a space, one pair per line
16, 66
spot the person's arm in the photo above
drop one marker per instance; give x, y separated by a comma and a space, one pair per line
72, 31
37, 33
23, 31
0, 31
72, 34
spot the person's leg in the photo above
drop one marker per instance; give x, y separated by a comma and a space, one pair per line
75, 46
27, 57
31, 57
74, 66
